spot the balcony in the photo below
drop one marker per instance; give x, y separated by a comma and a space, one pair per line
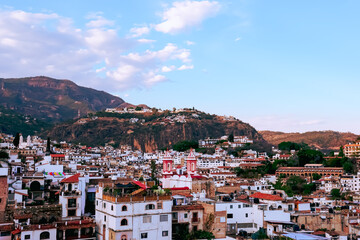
71, 193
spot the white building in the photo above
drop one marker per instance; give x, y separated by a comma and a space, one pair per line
133, 217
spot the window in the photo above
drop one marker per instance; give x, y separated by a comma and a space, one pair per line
97, 202
163, 218
149, 207
112, 207
239, 206
222, 219
229, 215
147, 219
124, 208
231, 206
105, 218
165, 233
71, 213
71, 202
104, 205
246, 215
175, 215
123, 237
159, 205
143, 235
185, 215
27, 236
124, 222
45, 235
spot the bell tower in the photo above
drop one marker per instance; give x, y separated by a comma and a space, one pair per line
167, 165
191, 163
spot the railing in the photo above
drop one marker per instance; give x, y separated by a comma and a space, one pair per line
135, 198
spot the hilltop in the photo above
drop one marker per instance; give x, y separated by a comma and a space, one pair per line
331, 140
150, 131
51, 99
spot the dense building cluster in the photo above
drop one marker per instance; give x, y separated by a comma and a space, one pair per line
66, 191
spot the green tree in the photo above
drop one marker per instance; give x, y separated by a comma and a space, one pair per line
48, 146
335, 193
316, 176
296, 184
182, 146
231, 137
260, 234
309, 156
4, 155
153, 171
201, 234
16, 140
287, 146
138, 108
341, 152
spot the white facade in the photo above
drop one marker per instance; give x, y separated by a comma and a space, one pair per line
244, 216
133, 219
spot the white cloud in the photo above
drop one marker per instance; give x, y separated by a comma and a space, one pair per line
33, 44
139, 31
189, 43
144, 40
186, 14
168, 69
238, 39
99, 21
186, 67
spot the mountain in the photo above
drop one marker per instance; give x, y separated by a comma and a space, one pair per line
150, 131
52, 100
12, 122
321, 140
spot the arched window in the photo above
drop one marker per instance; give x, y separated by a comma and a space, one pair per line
44, 235
149, 207
124, 208
168, 168
124, 222
123, 237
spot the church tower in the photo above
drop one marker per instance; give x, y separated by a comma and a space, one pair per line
191, 163
167, 165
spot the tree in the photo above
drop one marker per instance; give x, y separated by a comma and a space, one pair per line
341, 152
48, 145
201, 234
309, 156
4, 155
231, 137
335, 193
182, 146
16, 140
153, 171
288, 146
138, 108
260, 234
316, 176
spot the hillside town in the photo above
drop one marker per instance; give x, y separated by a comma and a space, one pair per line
57, 190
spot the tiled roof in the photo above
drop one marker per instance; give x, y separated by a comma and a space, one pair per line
72, 179
266, 196
140, 184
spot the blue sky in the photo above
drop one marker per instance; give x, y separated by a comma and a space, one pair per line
278, 65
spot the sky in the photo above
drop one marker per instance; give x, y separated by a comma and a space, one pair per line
290, 66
